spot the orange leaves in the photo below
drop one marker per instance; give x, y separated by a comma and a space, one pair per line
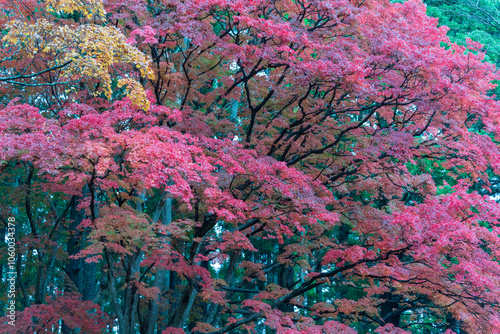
253, 270
120, 230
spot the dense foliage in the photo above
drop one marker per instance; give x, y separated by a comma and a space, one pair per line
477, 20
236, 166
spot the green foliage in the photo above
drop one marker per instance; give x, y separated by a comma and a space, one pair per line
479, 21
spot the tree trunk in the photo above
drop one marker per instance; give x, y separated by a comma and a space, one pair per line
234, 111
161, 279
189, 294
285, 279
389, 310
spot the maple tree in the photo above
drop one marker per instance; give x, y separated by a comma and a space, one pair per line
247, 166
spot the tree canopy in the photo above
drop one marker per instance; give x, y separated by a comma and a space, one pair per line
247, 166
477, 20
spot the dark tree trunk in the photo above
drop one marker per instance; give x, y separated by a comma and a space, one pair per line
73, 247
389, 310
285, 279
161, 280
73, 266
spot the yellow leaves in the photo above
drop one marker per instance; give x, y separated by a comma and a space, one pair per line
135, 93
89, 50
29, 37
89, 8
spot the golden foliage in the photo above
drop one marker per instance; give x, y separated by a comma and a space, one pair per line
82, 50
88, 8
135, 93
